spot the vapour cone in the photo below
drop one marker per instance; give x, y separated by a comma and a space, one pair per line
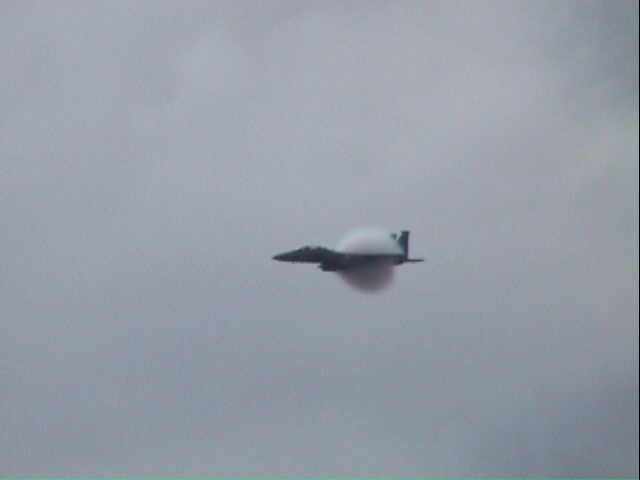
371, 278
369, 241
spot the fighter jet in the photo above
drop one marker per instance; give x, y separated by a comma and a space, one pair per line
338, 261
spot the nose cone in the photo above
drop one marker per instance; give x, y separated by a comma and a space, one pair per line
291, 256
303, 254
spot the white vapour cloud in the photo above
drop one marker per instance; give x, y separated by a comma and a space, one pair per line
370, 278
369, 241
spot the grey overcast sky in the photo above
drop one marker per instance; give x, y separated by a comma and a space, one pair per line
155, 155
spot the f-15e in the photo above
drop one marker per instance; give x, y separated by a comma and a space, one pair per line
394, 251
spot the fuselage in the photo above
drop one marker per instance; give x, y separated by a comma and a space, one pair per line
333, 261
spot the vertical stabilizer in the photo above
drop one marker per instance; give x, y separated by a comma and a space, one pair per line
402, 239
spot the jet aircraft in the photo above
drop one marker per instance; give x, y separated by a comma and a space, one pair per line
335, 261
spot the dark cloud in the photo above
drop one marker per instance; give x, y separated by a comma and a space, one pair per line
155, 157
613, 29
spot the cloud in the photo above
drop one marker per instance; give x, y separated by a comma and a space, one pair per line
154, 158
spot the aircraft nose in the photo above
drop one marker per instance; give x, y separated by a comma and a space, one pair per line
292, 256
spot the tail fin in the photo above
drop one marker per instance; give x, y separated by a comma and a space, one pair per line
402, 239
